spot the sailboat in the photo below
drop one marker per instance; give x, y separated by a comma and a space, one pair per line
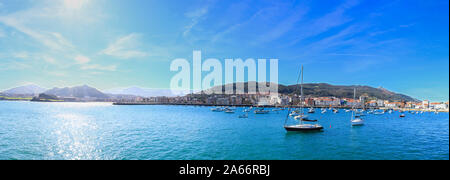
301, 126
295, 113
229, 110
261, 111
356, 120
216, 109
379, 113
335, 111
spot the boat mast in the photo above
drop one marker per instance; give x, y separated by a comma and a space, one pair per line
301, 98
354, 102
296, 88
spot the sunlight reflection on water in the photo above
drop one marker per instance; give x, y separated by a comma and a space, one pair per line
75, 137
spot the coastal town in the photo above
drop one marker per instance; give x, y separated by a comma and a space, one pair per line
286, 100
289, 98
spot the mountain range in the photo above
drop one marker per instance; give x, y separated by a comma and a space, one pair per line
309, 89
328, 90
78, 92
30, 89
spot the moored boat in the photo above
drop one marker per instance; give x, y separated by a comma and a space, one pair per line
301, 126
229, 111
261, 111
356, 119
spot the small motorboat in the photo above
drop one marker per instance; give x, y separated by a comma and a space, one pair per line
379, 113
309, 120
261, 111
229, 111
311, 111
300, 117
295, 113
402, 115
216, 109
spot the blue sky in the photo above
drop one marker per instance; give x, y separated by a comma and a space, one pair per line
399, 45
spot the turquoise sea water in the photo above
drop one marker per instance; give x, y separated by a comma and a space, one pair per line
31, 130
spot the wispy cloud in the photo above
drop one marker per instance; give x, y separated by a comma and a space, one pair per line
85, 64
342, 38
21, 55
57, 73
407, 25
196, 16
284, 26
330, 20
49, 59
352, 54
2, 33
14, 65
125, 47
80, 59
75, 4
99, 67
274, 26
53, 40
221, 35
38, 22
32, 21
360, 65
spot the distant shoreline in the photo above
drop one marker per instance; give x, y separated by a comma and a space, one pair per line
234, 105
262, 106
217, 105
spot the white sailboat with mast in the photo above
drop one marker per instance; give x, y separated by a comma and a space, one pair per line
356, 119
301, 126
